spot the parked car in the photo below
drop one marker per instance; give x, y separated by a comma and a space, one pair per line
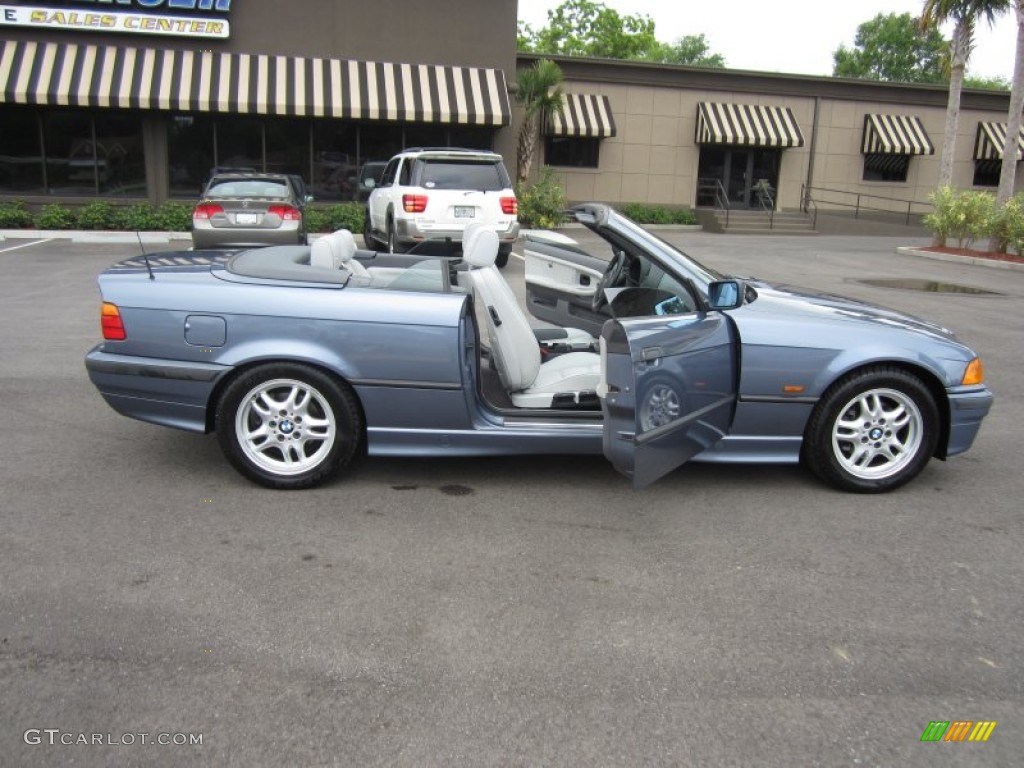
244, 208
296, 356
431, 195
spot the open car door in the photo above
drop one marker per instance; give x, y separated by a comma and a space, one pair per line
668, 390
561, 282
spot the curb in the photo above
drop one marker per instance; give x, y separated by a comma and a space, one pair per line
93, 236
955, 258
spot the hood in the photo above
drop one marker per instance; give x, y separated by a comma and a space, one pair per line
794, 300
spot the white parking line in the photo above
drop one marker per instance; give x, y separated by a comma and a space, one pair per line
26, 245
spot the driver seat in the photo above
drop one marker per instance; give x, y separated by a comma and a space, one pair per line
558, 382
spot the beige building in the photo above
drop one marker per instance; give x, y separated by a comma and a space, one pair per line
685, 136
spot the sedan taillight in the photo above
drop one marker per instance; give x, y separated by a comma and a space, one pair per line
286, 212
510, 206
110, 322
414, 203
205, 211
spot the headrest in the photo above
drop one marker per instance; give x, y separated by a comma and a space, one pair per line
321, 254
344, 245
479, 245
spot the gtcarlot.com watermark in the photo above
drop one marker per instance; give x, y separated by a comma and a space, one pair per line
55, 736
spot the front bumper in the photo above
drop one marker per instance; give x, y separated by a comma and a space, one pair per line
967, 408
171, 393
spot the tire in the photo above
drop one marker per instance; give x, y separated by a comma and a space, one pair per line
262, 419
392, 244
872, 431
503, 254
368, 238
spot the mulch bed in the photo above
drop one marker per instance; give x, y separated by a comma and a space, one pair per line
976, 254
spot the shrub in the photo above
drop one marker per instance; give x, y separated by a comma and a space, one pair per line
137, 218
644, 213
1009, 227
964, 215
54, 216
14, 215
97, 215
173, 217
542, 205
316, 220
348, 216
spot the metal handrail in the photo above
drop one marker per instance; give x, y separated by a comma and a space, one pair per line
767, 202
857, 205
806, 201
722, 200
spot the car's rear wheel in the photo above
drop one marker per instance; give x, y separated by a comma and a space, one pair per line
392, 237
873, 430
503, 254
368, 237
288, 426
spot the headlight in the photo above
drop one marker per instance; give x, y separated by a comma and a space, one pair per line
975, 373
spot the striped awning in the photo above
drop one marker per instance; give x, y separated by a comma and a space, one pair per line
586, 115
747, 124
895, 135
991, 138
58, 74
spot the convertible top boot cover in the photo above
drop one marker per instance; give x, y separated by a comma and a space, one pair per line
514, 346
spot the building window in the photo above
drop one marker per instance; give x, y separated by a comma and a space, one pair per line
986, 173
571, 152
879, 167
120, 160
21, 159
190, 156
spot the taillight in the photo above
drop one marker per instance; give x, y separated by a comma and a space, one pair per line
286, 212
110, 322
206, 210
510, 206
414, 203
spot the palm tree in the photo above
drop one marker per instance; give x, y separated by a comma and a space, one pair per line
965, 15
540, 95
1008, 172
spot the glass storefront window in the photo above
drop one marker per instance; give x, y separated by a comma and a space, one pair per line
189, 153
120, 161
240, 143
572, 152
287, 146
70, 154
335, 160
21, 158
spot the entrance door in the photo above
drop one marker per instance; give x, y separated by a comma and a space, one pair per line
739, 164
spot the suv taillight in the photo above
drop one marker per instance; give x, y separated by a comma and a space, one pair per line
510, 206
286, 212
110, 322
206, 211
414, 203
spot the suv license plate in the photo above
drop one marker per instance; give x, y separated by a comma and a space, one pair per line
464, 211
247, 218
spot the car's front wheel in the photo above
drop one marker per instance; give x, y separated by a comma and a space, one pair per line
873, 430
368, 237
288, 426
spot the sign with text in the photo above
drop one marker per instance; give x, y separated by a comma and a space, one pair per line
102, 20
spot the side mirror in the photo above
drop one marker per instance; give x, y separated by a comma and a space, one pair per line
370, 183
309, 198
726, 294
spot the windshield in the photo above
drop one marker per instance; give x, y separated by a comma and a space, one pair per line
663, 250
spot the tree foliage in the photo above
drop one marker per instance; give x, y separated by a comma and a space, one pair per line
539, 92
895, 48
589, 28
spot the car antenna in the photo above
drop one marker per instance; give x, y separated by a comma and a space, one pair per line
145, 258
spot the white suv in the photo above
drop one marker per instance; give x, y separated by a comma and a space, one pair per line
432, 194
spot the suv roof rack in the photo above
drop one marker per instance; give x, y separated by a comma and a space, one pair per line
448, 149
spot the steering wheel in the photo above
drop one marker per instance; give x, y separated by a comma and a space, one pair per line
611, 277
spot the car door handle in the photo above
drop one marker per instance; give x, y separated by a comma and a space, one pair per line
652, 353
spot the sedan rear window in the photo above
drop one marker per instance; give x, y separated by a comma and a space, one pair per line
247, 188
461, 174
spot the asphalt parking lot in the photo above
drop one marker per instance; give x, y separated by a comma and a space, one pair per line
515, 611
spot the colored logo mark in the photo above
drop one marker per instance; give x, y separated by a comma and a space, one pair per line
958, 730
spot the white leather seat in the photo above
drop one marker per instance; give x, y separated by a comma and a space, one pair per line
514, 348
337, 251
